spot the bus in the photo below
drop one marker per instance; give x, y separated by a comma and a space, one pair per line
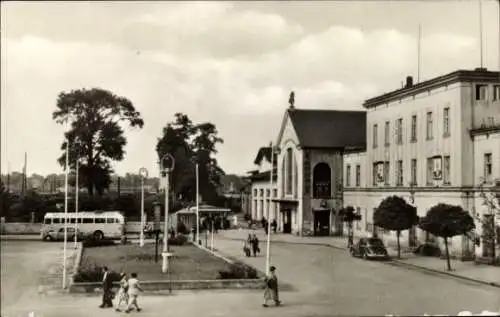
97, 224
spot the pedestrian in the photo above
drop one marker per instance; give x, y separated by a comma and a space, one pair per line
123, 291
107, 287
246, 249
274, 225
133, 293
271, 291
255, 245
265, 224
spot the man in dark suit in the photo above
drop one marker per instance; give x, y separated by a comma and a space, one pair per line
107, 286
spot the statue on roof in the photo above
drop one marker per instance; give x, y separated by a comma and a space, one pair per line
291, 100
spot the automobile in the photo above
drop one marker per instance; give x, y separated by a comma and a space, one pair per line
58, 235
369, 248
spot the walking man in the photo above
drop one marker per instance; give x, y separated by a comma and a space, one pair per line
133, 292
271, 292
107, 286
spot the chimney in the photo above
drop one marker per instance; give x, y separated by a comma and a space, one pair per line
409, 82
481, 69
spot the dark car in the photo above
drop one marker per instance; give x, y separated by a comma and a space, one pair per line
369, 248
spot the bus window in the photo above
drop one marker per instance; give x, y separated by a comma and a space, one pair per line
47, 221
110, 220
88, 220
72, 220
117, 220
79, 220
56, 220
100, 220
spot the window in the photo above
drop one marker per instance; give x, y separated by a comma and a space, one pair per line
72, 220
261, 208
496, 92
289, 169
387, 133
430, 169
446, 170
88, 220
487, 167
413, 171
275, 193
413, 128
375, 135
399, 131
446, 122
358, 223
322, 181
378, 173
375, 174
47, 221
261, 192
399, 173
348, 176
386, 173
255, 192
358, 175
100, 220
481, 92
268, 192
429, 126
110, 220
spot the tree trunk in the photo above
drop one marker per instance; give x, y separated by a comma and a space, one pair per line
398, 234
447, 253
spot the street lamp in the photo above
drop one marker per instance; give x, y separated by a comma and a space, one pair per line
77, 189
167, 165
143, 172
66, 170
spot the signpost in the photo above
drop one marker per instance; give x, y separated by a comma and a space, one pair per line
167, 165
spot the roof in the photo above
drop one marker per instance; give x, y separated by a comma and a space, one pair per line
84, 214
329, 128
203, 209
264, 176
264, 153
456, 76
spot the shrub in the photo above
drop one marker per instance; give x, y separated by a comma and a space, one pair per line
90, 272
180, 239
238, 271
428, 249
90, 242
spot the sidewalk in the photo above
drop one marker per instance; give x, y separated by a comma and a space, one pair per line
484, 274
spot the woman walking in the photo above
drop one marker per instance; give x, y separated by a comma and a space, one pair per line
133, 292
271, 292
123, 291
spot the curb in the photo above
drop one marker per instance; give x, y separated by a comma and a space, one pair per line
395, 262
399, 263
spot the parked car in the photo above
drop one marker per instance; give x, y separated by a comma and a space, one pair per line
369, 248
58, 235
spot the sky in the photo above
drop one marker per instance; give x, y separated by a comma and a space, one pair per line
230, 63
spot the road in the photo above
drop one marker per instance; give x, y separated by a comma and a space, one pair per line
327, 282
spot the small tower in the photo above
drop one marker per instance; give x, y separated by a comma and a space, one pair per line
291, 100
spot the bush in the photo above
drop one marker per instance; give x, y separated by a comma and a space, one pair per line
89, 272
90, 242
428, 249
180, 239
238, 271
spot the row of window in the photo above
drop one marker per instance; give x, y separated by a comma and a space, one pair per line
413, 131
81, 220
260, 192
482, 92
438, 168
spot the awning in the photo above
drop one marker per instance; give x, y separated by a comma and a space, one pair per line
285, 201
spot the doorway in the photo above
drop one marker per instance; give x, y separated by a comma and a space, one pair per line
287, 221
322, 222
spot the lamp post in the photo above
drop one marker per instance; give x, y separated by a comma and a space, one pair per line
268, 245
66, 170
77, 188
143, 172
197, 206
167, 164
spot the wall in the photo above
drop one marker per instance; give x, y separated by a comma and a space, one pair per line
257, 211
353, 159
486, 144
432, 101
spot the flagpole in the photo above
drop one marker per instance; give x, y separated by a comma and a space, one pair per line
481, 32
268, 249
419, 53
197, 206
77, 188
65, 207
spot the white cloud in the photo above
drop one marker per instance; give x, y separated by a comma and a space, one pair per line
244, 96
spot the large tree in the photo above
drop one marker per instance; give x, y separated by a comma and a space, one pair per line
96, 135
447, 221
189, 144
395, 214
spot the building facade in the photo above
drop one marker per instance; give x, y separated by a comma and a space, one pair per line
430, 142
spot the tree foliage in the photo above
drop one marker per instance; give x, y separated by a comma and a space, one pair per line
395, 214
447, 221
96, 135
189, 144
490, 196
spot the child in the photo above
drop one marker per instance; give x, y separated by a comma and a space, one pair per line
271, 292
133, 292
122, 292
